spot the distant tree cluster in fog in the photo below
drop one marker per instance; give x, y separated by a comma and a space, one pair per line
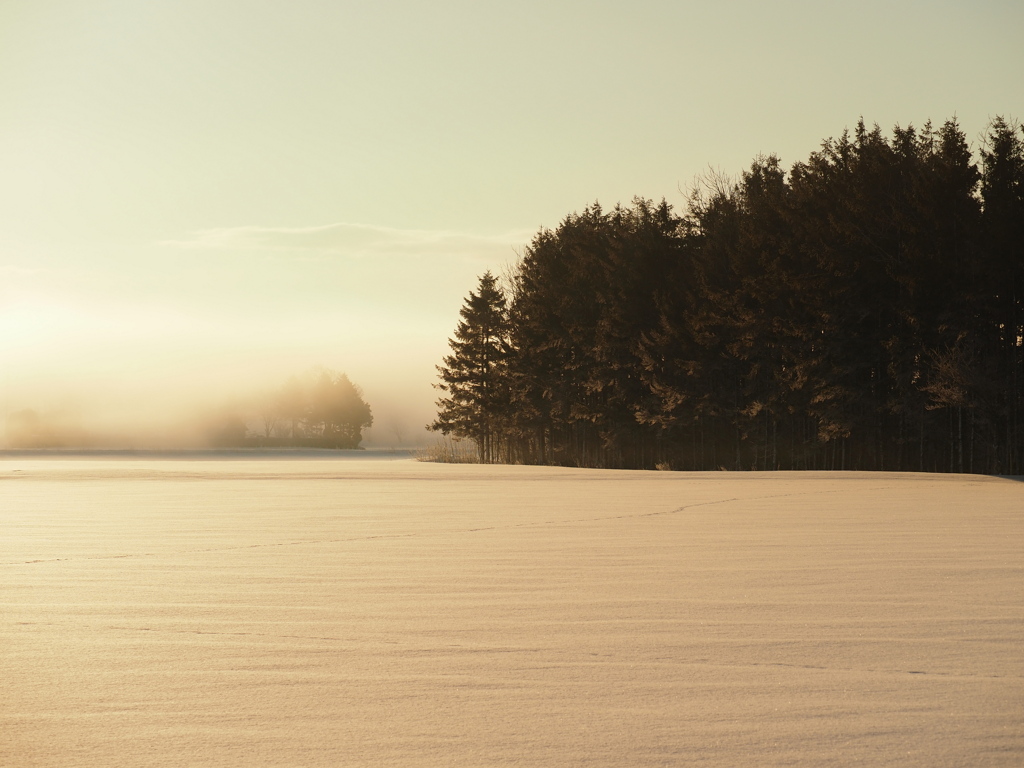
864, 310
321, 409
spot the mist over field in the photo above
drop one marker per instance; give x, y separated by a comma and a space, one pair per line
122, 356
182, 420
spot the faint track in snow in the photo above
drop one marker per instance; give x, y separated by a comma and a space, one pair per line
864, 670
675, 511
421, 534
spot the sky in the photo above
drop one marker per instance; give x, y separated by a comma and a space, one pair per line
201, 199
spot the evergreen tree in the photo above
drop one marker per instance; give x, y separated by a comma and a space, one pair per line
473, 375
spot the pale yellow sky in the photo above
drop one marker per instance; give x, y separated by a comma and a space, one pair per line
201, 196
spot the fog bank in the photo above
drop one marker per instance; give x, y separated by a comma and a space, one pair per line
149, 341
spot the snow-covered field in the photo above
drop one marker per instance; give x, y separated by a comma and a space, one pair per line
312, 612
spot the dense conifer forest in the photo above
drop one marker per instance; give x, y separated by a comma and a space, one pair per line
864, 310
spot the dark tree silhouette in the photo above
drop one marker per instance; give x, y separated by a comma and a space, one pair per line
1002, 190
473, 375
864, 310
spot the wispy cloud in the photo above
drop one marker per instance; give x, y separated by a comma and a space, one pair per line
353, 240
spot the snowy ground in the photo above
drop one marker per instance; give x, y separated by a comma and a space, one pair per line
248, 612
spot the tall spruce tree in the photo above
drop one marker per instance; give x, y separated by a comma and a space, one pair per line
472, 376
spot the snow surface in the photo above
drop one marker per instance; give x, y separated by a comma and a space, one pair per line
247, 612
